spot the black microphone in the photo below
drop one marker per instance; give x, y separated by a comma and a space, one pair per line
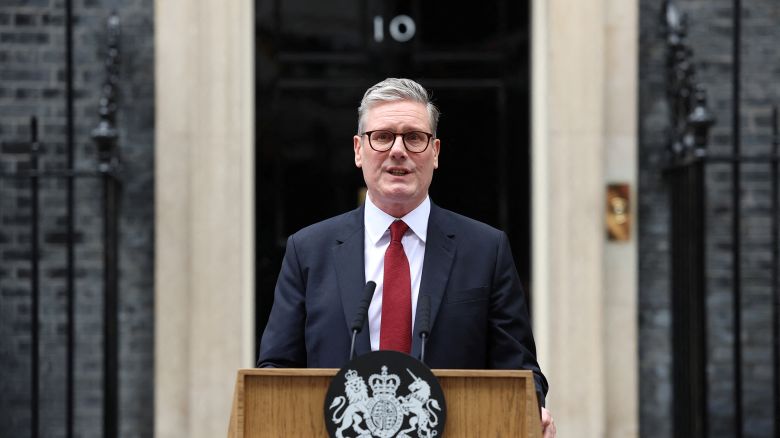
360, 316
424, 304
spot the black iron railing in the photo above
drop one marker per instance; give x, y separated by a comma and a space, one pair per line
690, 157
106, 170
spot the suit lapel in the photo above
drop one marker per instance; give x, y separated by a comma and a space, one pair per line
350, 271
439, 255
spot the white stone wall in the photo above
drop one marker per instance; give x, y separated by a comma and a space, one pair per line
584, 137
204, 324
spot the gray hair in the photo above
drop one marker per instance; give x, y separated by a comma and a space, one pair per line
392, 89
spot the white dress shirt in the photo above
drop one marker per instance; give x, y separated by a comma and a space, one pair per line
377, 239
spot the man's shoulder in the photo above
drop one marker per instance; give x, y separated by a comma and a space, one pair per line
333, 227
457, 223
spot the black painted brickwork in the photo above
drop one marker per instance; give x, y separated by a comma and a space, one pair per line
710, 35
32, 74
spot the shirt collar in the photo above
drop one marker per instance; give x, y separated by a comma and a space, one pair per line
377, 221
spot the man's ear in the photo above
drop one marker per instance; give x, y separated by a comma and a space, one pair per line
436, 149
358, 151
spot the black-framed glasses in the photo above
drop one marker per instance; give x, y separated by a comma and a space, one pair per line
414, 141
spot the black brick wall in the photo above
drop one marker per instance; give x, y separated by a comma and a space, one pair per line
710, 35
32, 75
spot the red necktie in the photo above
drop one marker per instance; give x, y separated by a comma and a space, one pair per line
395, 332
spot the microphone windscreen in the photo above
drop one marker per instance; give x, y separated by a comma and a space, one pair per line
362, 312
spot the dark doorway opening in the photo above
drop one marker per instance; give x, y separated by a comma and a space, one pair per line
315, 59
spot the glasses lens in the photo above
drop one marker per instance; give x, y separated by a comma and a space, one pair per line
416, 140
382, 139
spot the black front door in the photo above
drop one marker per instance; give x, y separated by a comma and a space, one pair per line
314, 62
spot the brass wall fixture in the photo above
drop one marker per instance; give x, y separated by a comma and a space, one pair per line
618, 212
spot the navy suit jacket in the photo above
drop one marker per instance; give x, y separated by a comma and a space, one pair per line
479, 318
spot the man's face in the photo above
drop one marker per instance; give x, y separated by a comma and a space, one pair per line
397, 180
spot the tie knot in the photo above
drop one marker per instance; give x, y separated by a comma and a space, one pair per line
397, 230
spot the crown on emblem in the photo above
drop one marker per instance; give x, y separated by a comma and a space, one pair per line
384, 383
351, 375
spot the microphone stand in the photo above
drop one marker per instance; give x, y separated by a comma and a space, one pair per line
425, 322
424, 338
352, 346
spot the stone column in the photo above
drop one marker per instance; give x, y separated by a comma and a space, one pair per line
204, 174
621, 264
584, 136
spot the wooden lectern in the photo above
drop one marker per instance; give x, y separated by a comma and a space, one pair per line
290, 403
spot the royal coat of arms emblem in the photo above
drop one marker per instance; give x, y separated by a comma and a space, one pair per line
384, 413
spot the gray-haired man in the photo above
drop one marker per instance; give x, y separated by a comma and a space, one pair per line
410, 247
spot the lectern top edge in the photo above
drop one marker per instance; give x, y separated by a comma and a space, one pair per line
330, 372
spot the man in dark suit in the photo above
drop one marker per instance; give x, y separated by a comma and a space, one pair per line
411, 248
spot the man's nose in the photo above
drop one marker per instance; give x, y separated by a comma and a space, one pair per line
398, 147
